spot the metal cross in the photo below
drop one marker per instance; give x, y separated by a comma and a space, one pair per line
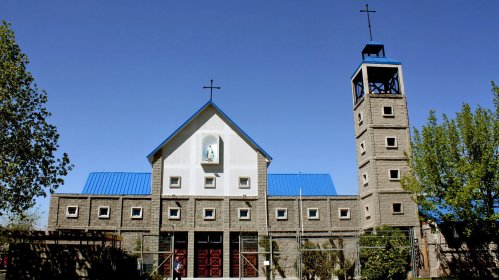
368, 19
211, 87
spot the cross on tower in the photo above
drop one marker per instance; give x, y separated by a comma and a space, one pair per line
368, 19
211, 87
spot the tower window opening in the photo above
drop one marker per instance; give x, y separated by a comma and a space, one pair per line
394, 174
383, 80
388, 111
360, 118
391, 142
358, 84
365, 179
397, 208
362, 148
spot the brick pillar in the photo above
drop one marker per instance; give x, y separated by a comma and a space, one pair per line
226, 254
157, 185
226, 236
190, 254
53, 212
261, 204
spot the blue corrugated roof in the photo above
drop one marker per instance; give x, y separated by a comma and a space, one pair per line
194, 116
310, 184
129, 183
118, 183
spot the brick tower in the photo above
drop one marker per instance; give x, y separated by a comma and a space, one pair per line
381, 137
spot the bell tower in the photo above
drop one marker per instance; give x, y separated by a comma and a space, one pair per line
381, 136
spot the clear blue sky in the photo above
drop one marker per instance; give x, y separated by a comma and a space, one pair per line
123, 75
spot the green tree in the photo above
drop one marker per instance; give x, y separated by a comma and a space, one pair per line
28, 143
276, 257
318, 260
455, 169
10, 222
384, 254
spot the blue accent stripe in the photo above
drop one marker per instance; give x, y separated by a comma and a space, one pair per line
194, 116
118, 183
310, 184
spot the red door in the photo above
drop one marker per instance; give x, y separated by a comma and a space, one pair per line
216, 262
182, 254
180, 251
209, 252
250, 264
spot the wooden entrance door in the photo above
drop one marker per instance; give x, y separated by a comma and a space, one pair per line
249, 261
209, 252
180, 251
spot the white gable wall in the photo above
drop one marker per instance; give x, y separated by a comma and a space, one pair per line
182, 157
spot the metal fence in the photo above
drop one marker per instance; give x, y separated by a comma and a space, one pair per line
323, 256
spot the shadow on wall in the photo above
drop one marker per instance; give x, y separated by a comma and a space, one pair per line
467, 258
55, 261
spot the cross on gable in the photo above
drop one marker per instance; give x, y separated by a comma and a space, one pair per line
211, 87
367, 11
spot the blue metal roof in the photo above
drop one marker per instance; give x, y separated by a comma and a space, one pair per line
376, 47
129, 183
194, 116
310, 184
381, 60
118, 183
376, 60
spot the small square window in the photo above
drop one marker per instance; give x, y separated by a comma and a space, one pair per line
281, 213
244, 214
244, 182
174, 213
397, 208
362, 148
365, 179
175, 182
360, 118
209, 213
388, 111
394, 174
313, 213
367, 213
344, 213
103, 212
72, 212
391, 142
136, 213
209, 182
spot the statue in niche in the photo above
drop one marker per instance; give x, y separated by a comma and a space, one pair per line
210, 154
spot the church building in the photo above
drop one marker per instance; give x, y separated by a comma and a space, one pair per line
209, 185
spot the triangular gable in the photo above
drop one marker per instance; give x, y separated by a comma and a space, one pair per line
224, 116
